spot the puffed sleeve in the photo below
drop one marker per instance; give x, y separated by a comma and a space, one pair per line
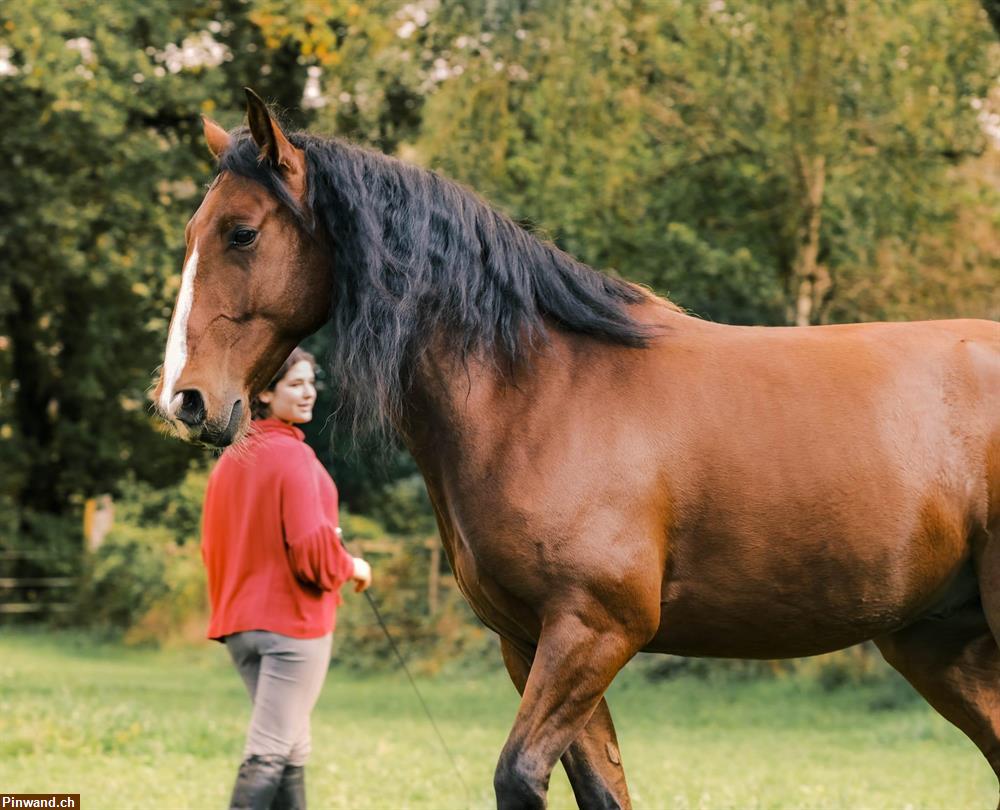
311, 537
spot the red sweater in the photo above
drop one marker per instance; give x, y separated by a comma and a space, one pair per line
269, 538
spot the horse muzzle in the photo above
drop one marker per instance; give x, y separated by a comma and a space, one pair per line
189, 417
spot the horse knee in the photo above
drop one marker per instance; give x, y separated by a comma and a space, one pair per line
519, 785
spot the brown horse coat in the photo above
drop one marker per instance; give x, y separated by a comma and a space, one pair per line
844, 471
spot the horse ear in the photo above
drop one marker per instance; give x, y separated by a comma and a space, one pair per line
216, 136
274, 146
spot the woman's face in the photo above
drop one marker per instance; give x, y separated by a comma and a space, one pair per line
293, 397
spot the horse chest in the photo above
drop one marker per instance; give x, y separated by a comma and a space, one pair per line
489, 595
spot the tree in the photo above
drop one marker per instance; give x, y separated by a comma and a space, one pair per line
104, 163
750, 159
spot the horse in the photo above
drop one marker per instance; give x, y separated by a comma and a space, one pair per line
609, 474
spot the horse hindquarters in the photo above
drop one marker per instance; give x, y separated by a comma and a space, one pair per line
954, 662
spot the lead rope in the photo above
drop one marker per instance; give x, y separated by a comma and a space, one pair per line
427, 711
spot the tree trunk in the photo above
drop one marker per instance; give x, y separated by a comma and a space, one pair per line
31, 403
993, 12
810, 281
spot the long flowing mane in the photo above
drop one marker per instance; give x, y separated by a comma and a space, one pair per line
414, 253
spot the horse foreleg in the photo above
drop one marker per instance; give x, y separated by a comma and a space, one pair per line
592, 761
594, 764
955, 664
575, 661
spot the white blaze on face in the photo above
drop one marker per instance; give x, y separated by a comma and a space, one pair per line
176, 356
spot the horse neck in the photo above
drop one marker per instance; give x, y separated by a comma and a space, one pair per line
445, 395
457, 413
460, 415
462, 419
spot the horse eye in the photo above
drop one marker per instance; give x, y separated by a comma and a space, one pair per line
244, 237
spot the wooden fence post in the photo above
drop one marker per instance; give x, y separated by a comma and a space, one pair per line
434, 580
98, 518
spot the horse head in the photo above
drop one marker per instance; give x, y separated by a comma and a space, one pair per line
255, 282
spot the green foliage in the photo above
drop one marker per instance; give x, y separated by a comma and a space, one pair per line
146, 582
851, 668
106, 162
855, 670
405, 509
87, 212
427, 641
124, 578
714, 670
175, 510
620, 126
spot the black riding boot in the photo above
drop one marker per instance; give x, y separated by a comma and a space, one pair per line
291, 793
257, 782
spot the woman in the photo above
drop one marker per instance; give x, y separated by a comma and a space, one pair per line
272, 551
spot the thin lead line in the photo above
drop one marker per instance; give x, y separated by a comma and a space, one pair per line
427, 711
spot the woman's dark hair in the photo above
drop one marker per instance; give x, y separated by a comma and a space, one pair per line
260, 410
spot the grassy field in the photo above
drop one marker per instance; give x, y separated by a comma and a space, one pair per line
163, 729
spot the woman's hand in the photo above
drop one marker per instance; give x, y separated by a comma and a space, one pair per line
362, 575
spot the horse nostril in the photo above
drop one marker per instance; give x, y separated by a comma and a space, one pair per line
192, 410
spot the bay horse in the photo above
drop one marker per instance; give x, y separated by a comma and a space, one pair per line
609, 474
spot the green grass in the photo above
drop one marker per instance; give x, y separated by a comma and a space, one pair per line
164, 729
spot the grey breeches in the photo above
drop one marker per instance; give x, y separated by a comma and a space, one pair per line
284, 677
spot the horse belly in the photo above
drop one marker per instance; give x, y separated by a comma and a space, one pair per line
770, 603
696, 627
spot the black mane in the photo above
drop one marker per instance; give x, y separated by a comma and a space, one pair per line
414, 253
